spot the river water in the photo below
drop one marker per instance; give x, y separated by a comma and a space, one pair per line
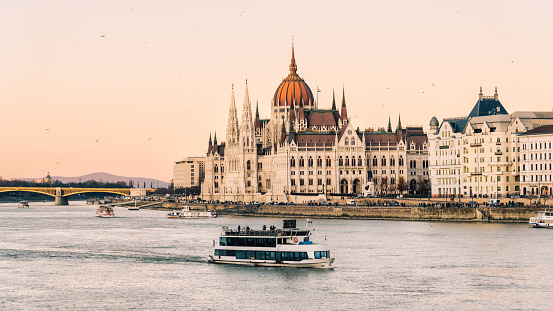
65, 258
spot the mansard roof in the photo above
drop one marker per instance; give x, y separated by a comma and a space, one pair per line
307, 139
320, 117
380, 138
487, 106
545, 129
220, 149
457, 124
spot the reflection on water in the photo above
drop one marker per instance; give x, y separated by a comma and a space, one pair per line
63, 257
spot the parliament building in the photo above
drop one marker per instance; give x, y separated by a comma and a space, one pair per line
306, 153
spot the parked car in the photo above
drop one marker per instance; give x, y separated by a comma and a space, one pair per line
394, 203
351, 202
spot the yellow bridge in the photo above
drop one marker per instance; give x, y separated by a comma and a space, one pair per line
61, 194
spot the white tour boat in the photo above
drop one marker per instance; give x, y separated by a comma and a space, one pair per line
272, 247
187, 213
105, 211
23, 204
544, 219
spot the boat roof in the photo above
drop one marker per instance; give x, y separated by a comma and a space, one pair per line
275, 233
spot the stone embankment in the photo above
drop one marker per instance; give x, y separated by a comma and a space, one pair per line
468, 214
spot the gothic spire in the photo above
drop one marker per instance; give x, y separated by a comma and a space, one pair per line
333, 100
389, 124
215, 139
399, 123
209, 139
344, 112
293, 66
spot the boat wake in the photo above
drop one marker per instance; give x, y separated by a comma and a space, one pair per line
79, 254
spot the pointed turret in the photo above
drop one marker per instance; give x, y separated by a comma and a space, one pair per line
215, 139
232, 125
246, 127
495, 96
257, 122
333, 100
481, 95
389, 124
344, 112
399, 123
210, 147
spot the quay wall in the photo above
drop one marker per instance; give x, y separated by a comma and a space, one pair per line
484, 214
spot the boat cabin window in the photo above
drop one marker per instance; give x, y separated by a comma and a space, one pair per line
319, 255
240, 254
255, 242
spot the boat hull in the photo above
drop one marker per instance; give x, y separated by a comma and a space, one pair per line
308, 263
541, 225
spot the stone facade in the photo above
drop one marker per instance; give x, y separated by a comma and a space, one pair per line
306, 153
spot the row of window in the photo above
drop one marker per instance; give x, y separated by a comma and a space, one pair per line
310, 181
536, 145
262, 255
543, 156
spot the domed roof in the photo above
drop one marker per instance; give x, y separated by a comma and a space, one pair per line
434, 122
293, 88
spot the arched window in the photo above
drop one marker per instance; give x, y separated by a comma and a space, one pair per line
249, 165
222, 168
302, 162
414, 164
328, 162
310, 162
359, 161
216, 168
347, 161
383, 161
319, 161
292, 162
341, 161
392, 161
375, 161
353, 141
400, 160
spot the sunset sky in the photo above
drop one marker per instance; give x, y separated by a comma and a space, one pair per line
130, 87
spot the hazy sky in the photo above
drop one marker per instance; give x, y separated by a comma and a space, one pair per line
130, 87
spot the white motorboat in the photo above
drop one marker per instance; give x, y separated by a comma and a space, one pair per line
283, 247
23, 204
186, 212
544, 219
105, 211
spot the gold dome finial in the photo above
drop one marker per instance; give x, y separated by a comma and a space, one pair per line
293, 66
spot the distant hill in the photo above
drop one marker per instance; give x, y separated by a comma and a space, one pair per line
105, 177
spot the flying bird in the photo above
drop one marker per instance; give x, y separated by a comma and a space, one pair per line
97, 139
432, 84
102, 36
149, 138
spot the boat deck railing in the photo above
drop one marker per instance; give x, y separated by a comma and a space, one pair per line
275, 232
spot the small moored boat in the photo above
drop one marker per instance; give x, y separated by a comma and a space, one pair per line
544, 219
272, 247
105, 211
23, 204
187, 213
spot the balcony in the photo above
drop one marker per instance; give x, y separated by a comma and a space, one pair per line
498, 153
444, 147
500, 163
498, 143
476, 144
475, 173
